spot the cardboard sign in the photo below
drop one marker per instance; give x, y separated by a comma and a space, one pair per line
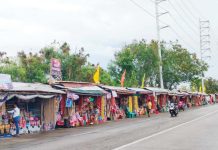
5, 82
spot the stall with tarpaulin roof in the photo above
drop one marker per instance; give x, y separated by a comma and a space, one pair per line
139, 99
38, 104
197, 98
179, 97
159, 98
87, 104
213, 98
121, 100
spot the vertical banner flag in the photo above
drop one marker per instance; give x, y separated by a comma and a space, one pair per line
143, 81
204, 90
96, 77
123, 78
136, 105
130, 103
55, 70
200, 89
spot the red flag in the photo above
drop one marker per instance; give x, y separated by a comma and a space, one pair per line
123, 78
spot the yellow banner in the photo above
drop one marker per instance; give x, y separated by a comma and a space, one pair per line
130, 103
136, 105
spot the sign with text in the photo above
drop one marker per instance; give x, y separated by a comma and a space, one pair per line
55, 70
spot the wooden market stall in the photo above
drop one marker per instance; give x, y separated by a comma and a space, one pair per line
159, 98
197, 98
121, 102
87, 104
140, 100
38, 104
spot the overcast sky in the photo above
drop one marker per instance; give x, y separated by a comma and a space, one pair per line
103, 26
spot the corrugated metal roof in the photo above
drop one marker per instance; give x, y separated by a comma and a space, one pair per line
89, 90
33, 87
141, 91
73, 84
157, 90
177, 93
197, 93
119, 90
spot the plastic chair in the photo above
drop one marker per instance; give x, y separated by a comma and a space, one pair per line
130, 114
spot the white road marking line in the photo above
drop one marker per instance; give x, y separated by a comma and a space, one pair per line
164, 131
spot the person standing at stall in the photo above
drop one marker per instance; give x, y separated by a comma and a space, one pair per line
16, 117
149, 106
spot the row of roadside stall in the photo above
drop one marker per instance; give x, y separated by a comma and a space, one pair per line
71, 104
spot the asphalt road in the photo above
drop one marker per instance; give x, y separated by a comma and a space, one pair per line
195, 129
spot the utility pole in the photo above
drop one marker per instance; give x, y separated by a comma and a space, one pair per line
204, 44
157, 2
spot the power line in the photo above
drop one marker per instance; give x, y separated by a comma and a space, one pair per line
193, 29
147, 12
177, 23
187, 7
197, 10
189, 13
180, 26
175, 32
172, 29
159, 6
142, 8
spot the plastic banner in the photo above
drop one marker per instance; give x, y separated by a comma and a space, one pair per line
130, 103
136, 106
5, 82
55, 70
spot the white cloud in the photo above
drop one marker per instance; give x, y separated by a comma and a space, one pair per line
44, 5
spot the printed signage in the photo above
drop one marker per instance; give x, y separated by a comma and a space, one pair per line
55, 69
5, 82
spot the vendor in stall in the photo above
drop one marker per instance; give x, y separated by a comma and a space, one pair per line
16, 117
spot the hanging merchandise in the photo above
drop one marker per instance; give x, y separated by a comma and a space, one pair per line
114, 93
91, 99
72, 96
69, 103
108, 96
86, 100
102, 107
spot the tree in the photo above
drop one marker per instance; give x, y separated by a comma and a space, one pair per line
211, 86
137, 59
141, 58
179, 65
10, 66
34, 67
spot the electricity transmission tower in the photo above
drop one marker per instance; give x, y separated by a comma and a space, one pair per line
204, 43
158, 14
